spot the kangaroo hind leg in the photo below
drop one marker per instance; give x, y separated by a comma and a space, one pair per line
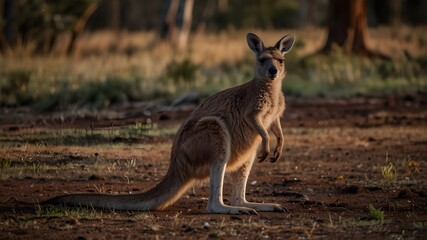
216, 203
213, 145
240, 178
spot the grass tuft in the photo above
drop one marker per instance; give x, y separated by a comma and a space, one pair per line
375, 214
5, 163
389, 171
59, 211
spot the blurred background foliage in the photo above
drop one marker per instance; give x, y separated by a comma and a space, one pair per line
94, 53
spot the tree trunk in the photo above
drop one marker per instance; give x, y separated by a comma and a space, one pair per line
307, 13
186, 24
79, 27
168, 24
396, 12
176, 22
208, 11
7, 38
116, 17
347, 27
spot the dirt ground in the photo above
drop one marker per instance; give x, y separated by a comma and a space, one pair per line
330, 175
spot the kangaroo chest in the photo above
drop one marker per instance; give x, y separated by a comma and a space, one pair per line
272, 110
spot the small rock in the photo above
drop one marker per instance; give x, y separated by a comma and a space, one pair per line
206, 225
186, 228
353, 189
188, 98
406, 194
371, 139
95, 177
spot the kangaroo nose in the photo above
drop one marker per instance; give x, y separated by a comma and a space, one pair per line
272, 70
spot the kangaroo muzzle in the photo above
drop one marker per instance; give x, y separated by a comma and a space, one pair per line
272, 72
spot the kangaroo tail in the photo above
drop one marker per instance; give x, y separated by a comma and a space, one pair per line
173, 185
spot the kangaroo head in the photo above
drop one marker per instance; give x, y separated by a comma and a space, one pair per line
270, 60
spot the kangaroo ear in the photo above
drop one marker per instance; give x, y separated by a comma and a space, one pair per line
255, 43
285, 43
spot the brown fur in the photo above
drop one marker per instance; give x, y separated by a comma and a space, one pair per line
222, 134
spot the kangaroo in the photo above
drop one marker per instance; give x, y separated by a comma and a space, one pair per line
223, 134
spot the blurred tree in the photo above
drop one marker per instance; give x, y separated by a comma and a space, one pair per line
39, 22
79, 26
207, 10
396, 12
7, 25
176, 22
307, 12
116, 18
347, 27
184, 32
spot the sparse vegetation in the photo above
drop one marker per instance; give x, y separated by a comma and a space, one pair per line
127, 167
88, 147
339, 75
5, 163
158, 72
144, 216
84, 137
182, 72
421, 225
375, 214
59, 211
389, 172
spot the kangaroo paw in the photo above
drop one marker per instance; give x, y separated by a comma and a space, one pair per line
264, 207
224, 209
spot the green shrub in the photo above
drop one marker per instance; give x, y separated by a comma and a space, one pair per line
340, 75
182, 71
375, 214
17, 88
14, 88
5, 163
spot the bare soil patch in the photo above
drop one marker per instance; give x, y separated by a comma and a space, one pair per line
334, 168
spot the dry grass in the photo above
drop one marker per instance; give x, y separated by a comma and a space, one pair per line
50, 153
137, 66
141, 52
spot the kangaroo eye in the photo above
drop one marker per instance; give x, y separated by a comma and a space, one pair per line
281, 61
262, 60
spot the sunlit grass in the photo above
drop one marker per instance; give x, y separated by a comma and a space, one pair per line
141, 69
102, 152
389, 172
375, 214
89, 136
59, 211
